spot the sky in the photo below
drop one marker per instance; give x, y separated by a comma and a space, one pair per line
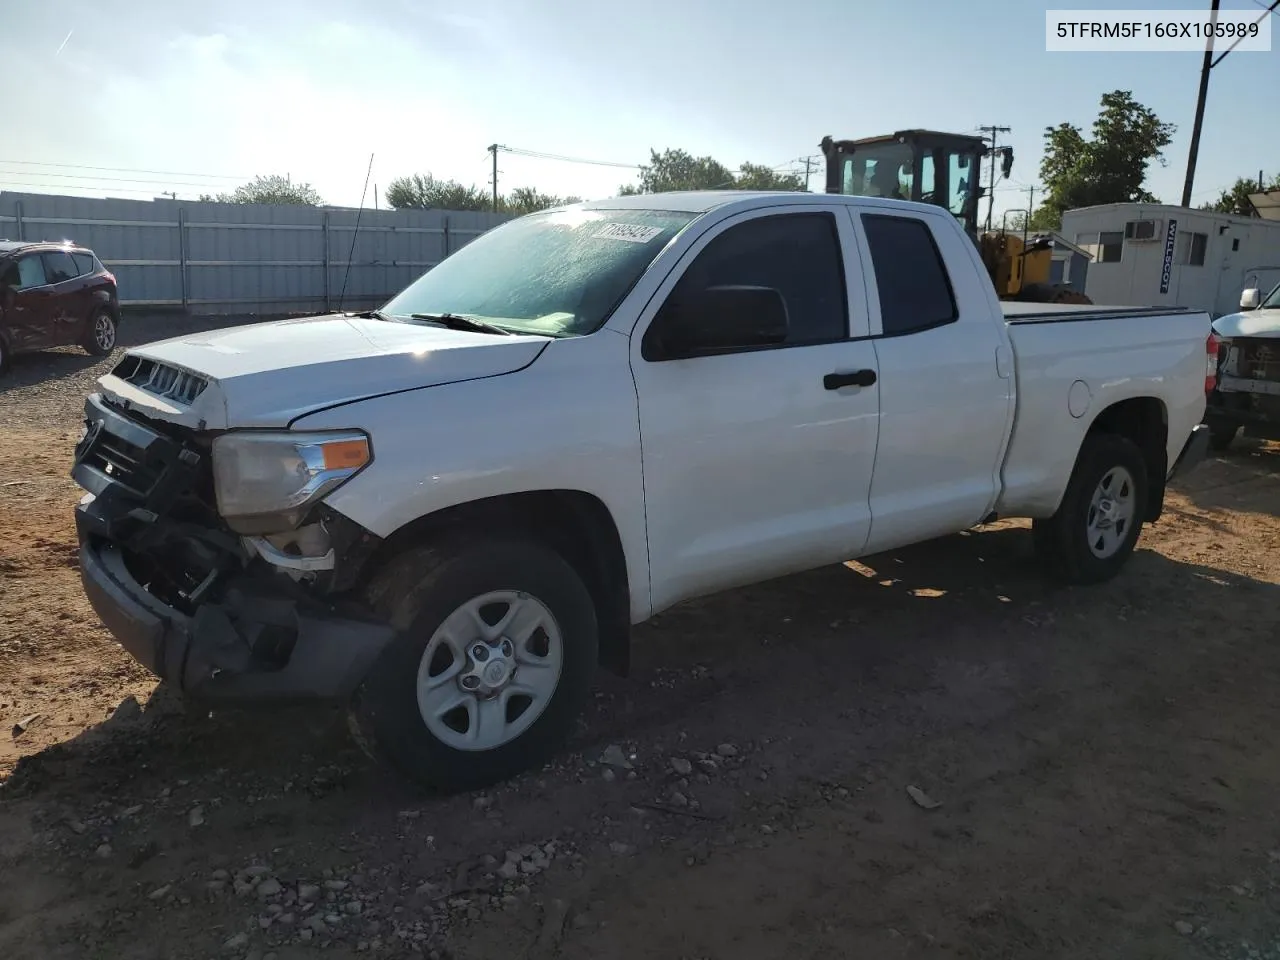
132, 98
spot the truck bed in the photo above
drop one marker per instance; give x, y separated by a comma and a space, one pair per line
1015, 312
1067, 375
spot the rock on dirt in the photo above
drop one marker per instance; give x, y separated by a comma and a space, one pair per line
614, 756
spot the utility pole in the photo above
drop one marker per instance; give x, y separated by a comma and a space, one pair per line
808, 165
375, 196
991, 190
1194, 153
493, 148
1031, 208
1210, 61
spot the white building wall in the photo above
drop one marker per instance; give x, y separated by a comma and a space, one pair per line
1236, 252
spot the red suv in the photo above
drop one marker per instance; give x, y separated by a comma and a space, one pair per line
55, 295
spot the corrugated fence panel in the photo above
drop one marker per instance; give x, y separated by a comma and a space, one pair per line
247, 258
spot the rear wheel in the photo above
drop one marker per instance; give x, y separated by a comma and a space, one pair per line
1100, 518
100, 339
495, 649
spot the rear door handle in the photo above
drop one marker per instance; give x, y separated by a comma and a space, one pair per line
858, 378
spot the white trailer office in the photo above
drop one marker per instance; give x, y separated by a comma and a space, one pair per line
1156, 255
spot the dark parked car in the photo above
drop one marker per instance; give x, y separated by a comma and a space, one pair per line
55, 295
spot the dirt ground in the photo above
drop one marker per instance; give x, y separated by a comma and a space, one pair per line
1104, 761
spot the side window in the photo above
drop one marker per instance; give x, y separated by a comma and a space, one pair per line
84, 263
1110, 246
797, 254
31, 272
59, 266
915, 291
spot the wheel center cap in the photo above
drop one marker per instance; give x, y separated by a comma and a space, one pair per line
495, 673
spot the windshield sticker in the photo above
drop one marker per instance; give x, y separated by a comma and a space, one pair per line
630, 232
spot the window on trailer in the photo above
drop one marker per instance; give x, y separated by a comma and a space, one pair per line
1191, 249
1104, 247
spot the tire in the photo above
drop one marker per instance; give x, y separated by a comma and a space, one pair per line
4, 356
422, 589
1222, 435
100, 339
1068, 541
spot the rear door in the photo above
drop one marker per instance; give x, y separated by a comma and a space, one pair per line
946, 378
29, 314
69, 308
758, 462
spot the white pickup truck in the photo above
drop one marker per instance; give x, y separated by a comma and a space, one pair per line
448, 512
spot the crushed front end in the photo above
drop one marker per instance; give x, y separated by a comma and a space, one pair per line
218, 609
1248, 389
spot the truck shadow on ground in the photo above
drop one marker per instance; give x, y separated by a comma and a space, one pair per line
1228, 481
879, 627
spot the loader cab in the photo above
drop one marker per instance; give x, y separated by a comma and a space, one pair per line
943, 169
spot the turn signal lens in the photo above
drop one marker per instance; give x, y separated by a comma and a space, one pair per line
345, 454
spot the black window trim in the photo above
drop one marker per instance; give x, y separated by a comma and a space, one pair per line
942, 261
650, 353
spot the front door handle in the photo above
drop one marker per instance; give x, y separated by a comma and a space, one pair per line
858, 378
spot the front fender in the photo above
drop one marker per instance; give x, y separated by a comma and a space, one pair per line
567, 422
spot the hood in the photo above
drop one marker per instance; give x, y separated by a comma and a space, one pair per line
268, 374
1250, 323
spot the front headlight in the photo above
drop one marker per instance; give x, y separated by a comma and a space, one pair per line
265, 482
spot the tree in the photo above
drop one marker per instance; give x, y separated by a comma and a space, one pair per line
524, 200
271, 188
680, 170
1235, 199
753, 176
422, 191
1109, 167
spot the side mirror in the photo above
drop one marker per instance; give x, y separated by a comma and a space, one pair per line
1250, 299
723, 318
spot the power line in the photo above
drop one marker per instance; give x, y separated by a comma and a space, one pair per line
163, 173
540, 155
98, 179
60, 188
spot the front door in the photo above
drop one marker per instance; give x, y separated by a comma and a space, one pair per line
29, 311
758, 462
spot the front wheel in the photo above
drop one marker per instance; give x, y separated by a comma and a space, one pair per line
492, 663
1098, 522
101, 337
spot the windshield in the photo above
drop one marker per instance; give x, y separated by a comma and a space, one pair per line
1273, 299
559, 273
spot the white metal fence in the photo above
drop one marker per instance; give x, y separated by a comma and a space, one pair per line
241, 258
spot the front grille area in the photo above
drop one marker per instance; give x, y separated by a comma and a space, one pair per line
123, 462
160, 379
1254, 359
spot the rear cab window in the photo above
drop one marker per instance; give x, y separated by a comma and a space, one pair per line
914, 288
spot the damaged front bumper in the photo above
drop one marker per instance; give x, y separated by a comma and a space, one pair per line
248, 633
